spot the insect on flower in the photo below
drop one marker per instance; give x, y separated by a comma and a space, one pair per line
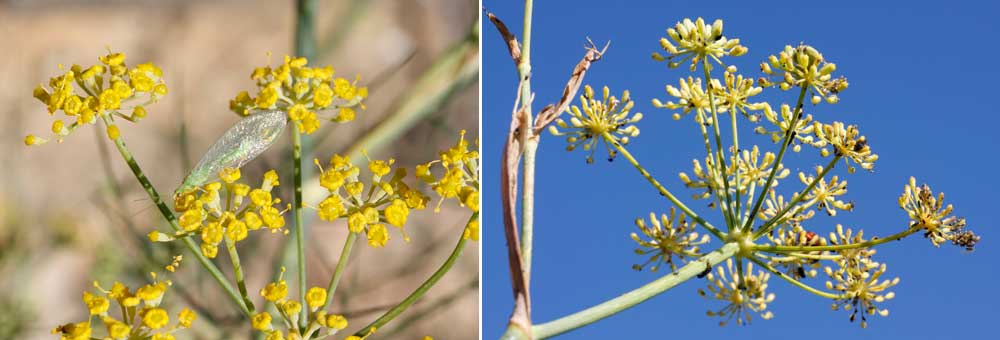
240, 144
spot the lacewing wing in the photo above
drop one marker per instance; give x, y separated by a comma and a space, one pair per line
240, 144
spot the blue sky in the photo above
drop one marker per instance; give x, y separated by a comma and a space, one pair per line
921, 88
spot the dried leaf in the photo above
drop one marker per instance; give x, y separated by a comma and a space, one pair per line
512, 45
551, 112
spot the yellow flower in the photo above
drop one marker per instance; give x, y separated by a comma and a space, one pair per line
151, 294
331, 208
216, 211
102, 92
378, 235
696, 41
74, 331
236, 230
805, 67
847, 142
927, 212
471, 231
667, 237
291, 308
397, 212
609, 120
260, 197
356, 222
742, 294
186, 317
97, 305
300, 90
275, 291
155, 318
859, 283
315, 297
460, 178
387, 200
117, 329
229, 175
337, 322
261, 321
163, 336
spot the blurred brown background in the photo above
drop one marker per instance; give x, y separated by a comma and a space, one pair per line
62, 225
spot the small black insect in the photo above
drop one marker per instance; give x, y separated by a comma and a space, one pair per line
708, 269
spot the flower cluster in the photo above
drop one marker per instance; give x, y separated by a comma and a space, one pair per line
668, 237
732, 94
824, 195
695, 41
775, 204
754, 170
300, 91
609, 120
928, 213
742, 294
691, 95
857, 279
367, 207
106, 90
288, 312
459, 179
847, 142
803, 130
805, 67
798, 265
735, 92
142, 316
226, 210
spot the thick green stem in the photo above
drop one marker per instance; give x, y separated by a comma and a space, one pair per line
420, 291
866, 244
663, 191
632, 298
345, 254
172, 220
780, 218
238, 272
789, 135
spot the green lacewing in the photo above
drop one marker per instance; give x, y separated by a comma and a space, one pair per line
240, 144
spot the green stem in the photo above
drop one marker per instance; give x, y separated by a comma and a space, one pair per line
866, 244
420, 291
305, 29
297, 216
795, 282
529, 141
777, 161
305, 46
663, 191
172, 220
238, 272
345, 254
720, 156
736, 164
780, 218
634, 297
